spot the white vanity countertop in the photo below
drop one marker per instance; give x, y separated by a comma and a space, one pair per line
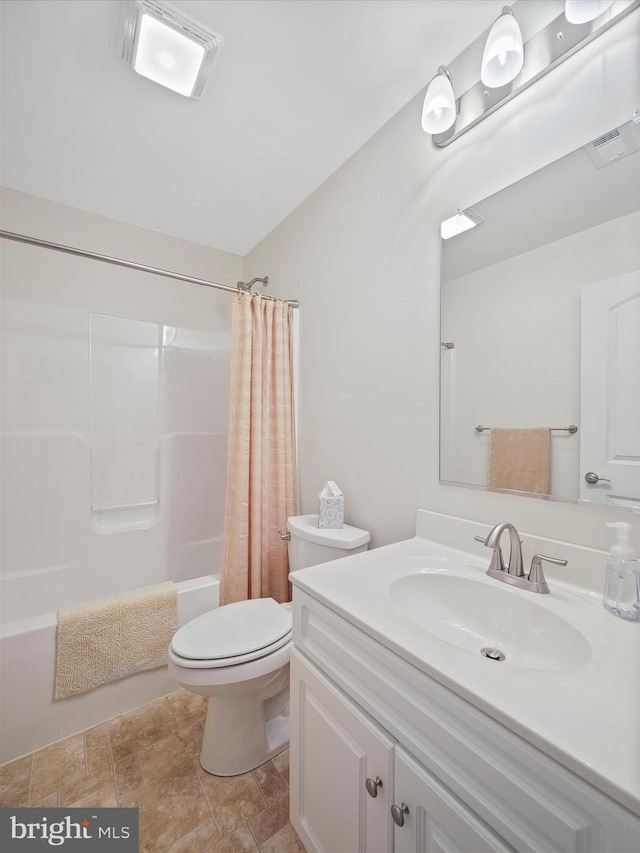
587, 718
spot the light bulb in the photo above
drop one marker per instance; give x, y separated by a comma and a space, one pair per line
439, 109
166, 60
581, 11
503, 55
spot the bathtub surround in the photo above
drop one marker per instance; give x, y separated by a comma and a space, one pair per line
261, 490
111, 638
76, 526
147, 759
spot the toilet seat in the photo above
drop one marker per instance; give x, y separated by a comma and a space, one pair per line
233, 634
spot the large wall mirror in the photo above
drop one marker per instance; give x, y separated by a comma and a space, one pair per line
540, 325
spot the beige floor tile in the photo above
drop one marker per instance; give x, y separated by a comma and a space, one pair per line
233, 799
101, 798
96, 741
240, 841
198, 840
57, 765
187, 707
99, 758
270, 821
281, 760
271, 783
141, 727
169, 808
14, 782
97, 737
50, 802
161, 757
128, 775
285, 840
86, 786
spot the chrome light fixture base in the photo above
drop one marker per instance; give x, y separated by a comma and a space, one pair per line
547, 43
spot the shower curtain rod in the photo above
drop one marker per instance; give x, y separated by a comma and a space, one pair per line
132, 265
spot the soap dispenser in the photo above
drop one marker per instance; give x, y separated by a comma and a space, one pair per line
622, 582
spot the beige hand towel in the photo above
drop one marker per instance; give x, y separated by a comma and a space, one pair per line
107, 639
520, 459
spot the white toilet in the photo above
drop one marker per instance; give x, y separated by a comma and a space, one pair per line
238, 656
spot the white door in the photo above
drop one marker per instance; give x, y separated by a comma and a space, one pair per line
610, 391
341, 769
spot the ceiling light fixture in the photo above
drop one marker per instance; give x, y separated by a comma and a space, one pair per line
461, 221
167, 47
503, 55
509, 57
581, 11
439, 109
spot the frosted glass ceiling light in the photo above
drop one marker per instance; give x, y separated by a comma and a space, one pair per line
581, 11
167, 47
503, 55
439, 109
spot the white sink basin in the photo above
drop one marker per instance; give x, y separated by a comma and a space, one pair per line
476, 614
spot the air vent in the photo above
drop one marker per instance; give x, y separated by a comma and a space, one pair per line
611, 146
473, 215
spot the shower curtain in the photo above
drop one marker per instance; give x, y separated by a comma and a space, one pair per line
261, 463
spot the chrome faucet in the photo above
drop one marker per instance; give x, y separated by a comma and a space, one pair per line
514, 572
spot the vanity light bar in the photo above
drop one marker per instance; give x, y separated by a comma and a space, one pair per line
549, 39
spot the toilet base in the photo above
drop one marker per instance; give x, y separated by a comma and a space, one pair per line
241, 734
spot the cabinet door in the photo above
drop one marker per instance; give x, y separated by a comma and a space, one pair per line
335, 748
436, 820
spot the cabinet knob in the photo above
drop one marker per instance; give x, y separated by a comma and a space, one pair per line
398, 813
372, 786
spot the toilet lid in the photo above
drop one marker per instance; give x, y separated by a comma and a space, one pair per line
236, 630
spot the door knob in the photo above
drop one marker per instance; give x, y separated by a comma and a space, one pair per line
592, 478
372, 786
398, 813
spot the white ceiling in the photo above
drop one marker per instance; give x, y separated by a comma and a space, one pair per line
298, 87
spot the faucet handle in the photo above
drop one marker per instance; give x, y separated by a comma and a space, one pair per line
497, 563
536, 575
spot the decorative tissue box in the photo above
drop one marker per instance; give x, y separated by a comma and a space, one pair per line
330, 507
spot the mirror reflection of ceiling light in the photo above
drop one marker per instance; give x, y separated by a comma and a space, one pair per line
167, 47
463, 220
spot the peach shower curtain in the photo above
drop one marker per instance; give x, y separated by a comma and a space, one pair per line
261, 460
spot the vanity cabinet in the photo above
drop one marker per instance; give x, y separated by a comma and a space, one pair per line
470, 784
433, 819
337, 749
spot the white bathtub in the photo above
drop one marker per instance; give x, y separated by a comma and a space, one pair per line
30, 717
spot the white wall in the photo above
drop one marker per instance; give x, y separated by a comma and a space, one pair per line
362, 255
516, 362
114, 410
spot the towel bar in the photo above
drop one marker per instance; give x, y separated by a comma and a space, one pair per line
572, 428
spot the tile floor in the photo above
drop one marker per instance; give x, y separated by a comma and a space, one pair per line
149, 758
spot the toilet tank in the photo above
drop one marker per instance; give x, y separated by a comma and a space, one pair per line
310, 545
